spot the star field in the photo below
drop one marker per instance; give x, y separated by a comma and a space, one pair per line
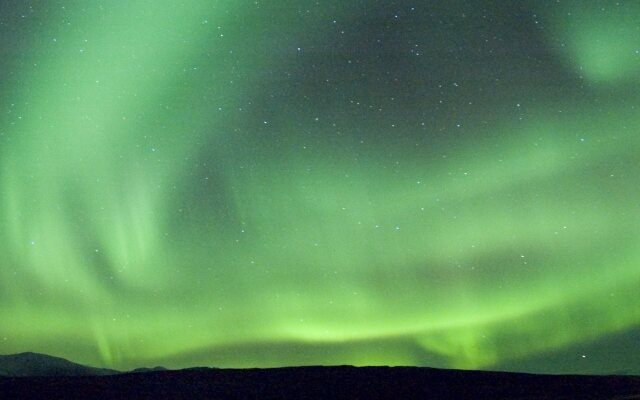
251, 184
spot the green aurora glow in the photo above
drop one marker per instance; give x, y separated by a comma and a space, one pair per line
239, 184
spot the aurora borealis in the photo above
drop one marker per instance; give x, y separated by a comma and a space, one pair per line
268, 183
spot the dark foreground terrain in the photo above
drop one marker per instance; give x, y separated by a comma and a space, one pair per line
341, 382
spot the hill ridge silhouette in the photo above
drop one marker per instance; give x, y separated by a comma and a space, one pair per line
335, 382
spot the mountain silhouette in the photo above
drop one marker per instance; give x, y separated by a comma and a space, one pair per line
31, 375
35, 364
154, 369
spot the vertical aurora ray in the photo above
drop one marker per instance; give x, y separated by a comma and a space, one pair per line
273, 184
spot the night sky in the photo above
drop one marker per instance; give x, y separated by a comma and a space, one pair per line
239, 183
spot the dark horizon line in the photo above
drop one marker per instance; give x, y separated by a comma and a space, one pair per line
160, 368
